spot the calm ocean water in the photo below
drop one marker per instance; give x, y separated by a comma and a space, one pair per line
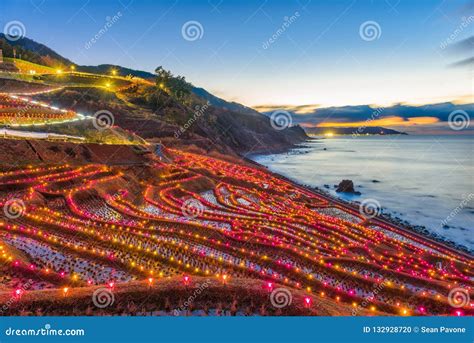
426, 180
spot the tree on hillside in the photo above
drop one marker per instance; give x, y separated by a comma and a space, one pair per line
176, 86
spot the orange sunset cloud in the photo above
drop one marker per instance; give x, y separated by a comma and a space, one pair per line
386, 122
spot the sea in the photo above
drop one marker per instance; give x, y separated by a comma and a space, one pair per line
423, 180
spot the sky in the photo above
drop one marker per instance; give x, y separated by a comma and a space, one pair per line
272, 54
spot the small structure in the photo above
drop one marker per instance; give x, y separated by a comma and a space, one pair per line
1, 56
159, 152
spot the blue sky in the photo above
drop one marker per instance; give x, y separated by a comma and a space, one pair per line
319, 59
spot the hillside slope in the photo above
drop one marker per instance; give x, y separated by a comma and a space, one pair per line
203, 119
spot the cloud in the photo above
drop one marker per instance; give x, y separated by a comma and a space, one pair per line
301, 109
385, 122
400, 115
468, 62
465, 45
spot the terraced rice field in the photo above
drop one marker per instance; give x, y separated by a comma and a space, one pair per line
154, 234
21, 111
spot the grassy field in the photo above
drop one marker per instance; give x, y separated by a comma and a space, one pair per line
26, 67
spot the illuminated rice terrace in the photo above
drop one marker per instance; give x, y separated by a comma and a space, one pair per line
155, 234
17, 111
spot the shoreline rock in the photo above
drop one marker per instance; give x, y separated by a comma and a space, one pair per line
347, 186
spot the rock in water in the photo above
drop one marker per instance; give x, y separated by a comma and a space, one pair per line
346, 186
